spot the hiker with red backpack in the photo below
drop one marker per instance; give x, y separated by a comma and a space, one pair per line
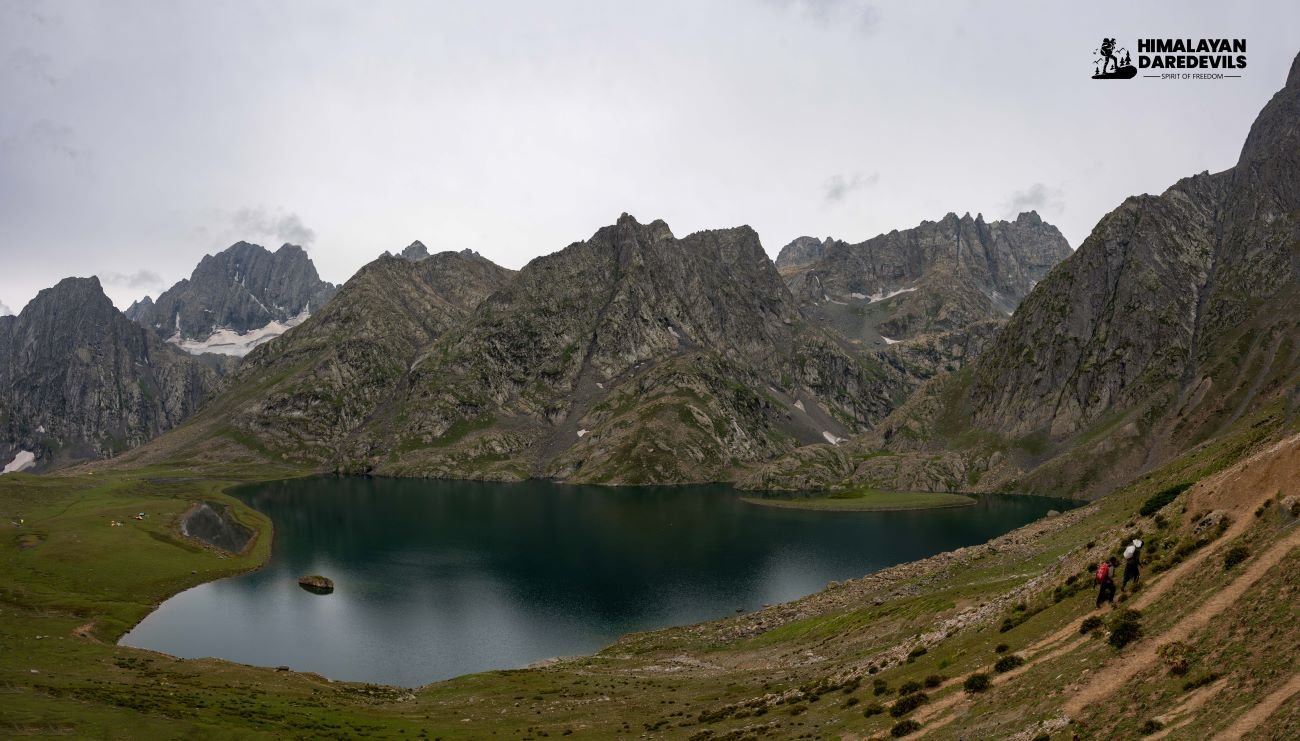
1105, 578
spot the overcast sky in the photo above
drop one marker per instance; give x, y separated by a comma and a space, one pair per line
137, 136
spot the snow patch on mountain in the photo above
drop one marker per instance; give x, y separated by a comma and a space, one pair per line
227, 341
881, 295
21, 462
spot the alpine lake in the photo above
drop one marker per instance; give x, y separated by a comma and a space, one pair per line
435, 579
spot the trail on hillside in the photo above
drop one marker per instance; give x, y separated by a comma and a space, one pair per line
1187, 709
1251, 719
1119, 672
1246, 485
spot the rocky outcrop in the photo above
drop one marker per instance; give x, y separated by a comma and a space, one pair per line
240, 290
310, 391
316, 584
802, 252
416, 251
79, 380
213, 523
938, 276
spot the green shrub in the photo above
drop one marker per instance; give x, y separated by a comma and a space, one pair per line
1125, 627
976, 683
1234, 556
904, 727
1001, 648
874, 708
1090, 624
916, 653
879, 686
1151, 726
907, 703
908, 687
851, 702
1161, 498
1007, 663
934, 680
1200, 681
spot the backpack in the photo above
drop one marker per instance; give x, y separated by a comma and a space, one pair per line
1103, 571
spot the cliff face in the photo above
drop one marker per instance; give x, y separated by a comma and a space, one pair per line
634, 356
1181, 305
1176, 318
312, 388
243, 289
79, 380
936, 277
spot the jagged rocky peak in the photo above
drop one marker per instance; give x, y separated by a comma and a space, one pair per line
802, 251
935, 277
415, 251
80, 380
236, 299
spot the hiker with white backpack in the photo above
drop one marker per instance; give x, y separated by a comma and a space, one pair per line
1131, 556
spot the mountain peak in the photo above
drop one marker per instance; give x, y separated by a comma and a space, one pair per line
1027, 218
415, 251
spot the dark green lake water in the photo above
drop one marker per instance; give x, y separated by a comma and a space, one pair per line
440, 578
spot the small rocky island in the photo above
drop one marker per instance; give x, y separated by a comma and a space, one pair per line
316, 584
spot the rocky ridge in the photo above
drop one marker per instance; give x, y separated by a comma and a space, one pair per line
79, 380
243, 289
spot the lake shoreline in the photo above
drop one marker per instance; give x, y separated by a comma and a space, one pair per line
914, 502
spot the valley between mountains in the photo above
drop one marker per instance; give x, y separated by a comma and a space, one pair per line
1154, 372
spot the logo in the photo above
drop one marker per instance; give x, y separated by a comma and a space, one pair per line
1199, 59
1112, 63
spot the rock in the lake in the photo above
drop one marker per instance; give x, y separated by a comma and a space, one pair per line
316, 584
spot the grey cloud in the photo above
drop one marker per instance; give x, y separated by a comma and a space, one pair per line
258, 223
857, 14
138, 279
5, 310
838, 187
50, 136
31, 11
29, 64
1037, 197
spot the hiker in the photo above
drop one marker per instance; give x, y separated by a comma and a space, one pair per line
1131, 555
1106, 580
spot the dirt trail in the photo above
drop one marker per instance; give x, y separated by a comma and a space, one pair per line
1187, 709
1237, 490
1251, 719
1119, 672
